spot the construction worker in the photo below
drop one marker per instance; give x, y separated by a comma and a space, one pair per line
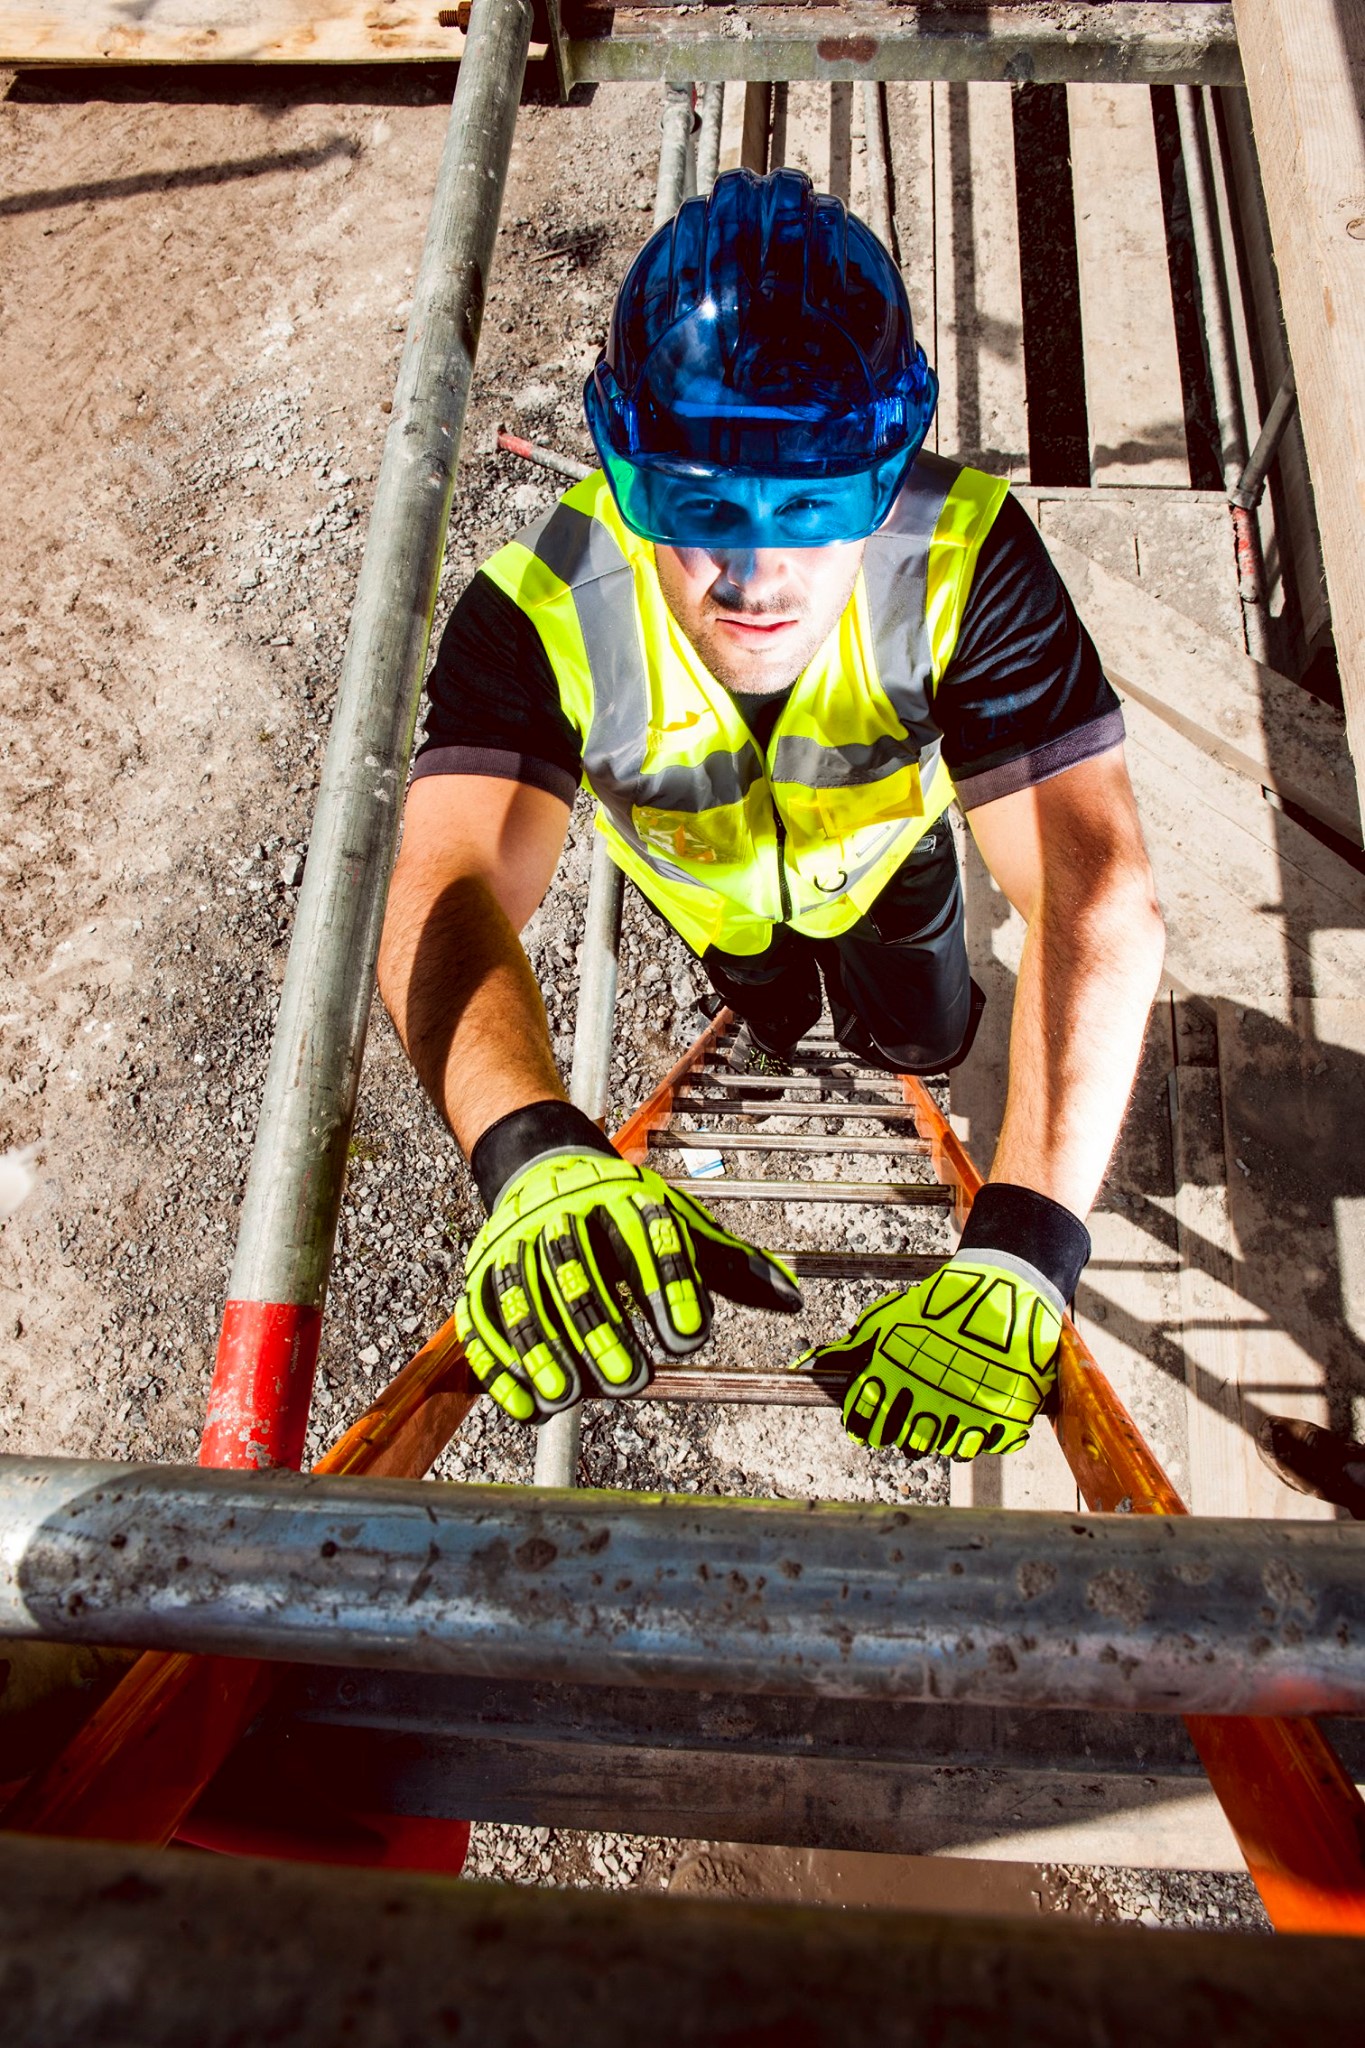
777, 641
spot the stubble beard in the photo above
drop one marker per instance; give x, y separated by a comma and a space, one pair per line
750, 679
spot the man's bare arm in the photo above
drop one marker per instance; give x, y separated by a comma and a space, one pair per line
478, 855
1070, 857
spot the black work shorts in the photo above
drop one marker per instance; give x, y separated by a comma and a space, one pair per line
900, 993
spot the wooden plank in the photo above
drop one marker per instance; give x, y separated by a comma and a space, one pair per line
977, 342
1244, 714
1211, 1309
1127, 1304
228, 32
1304, 66
1247, 915
1293, 1091
914, 1780
1271, 1237
1132, 372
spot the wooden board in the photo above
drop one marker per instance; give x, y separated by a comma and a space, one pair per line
1293, 1093
227, 32
1240, 712
1255, 908
1132, 372
1304, 65
1111, 1788
977, 345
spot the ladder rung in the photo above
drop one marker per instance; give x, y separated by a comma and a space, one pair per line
857, 1084
719, 1105
921, 1194
748, 1389
783, 1141
843, 1063
907, 1267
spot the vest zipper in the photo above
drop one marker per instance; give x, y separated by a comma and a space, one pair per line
783, 891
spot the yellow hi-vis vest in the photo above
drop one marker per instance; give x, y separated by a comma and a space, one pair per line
725, 839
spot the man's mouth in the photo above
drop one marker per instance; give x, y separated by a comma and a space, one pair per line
755, 628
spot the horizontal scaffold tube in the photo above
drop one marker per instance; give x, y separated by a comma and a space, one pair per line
1157, 1614
1116, 42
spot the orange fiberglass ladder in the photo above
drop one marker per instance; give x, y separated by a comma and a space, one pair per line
137, 1768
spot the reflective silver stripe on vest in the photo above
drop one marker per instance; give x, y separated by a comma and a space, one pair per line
896, 576
722, 778
582, 552
817, 765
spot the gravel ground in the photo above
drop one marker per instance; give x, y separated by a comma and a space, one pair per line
189, 481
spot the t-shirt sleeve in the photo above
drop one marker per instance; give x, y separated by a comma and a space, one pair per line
495, 706
1023, 696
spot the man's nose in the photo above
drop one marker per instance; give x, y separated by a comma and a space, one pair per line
756, 572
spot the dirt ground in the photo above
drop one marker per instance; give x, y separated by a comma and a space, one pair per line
201, 309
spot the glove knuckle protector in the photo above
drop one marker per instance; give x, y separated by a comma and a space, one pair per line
571, 1227
962, 1363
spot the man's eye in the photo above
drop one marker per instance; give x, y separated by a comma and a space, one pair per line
716, 515
804, 511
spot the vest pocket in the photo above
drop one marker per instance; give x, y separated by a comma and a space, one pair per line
717, 838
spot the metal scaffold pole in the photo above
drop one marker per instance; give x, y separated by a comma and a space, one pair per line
557, 1441
267, 1351
1144, 1613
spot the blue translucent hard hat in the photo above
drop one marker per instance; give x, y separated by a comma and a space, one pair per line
761, 383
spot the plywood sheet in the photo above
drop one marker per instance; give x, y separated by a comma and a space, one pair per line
1256, 909
226, 32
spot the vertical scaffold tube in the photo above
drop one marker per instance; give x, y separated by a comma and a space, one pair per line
267, 1349
1211, 267
557, 1440
708, 141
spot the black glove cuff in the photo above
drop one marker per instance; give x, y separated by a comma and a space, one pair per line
1029, 1226
523, 1135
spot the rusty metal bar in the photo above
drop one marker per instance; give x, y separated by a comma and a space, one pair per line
1157, 1614
1297, 1816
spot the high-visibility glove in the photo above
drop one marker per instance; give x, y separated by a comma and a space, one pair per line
577, 1241
962, 1363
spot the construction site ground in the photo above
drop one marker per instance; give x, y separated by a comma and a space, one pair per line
203, 294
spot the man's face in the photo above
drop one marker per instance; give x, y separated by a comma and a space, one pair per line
757, 616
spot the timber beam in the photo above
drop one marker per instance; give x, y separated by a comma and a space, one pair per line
906, 1778
100, 1944
1305, 81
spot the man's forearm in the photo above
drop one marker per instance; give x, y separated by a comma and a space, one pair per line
465, 1003
1086, 983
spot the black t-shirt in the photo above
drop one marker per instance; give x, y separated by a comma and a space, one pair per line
1023, 697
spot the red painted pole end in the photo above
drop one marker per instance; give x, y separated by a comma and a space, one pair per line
262, 1385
